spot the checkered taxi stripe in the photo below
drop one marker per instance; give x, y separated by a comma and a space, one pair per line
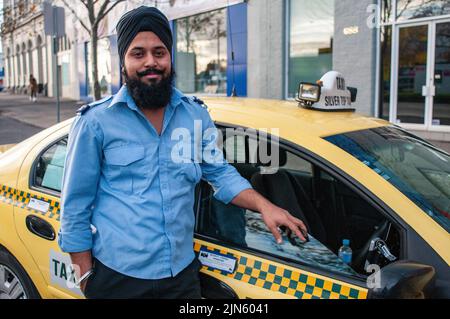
275, 278
21, 200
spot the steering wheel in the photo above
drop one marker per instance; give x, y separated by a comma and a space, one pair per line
360, 255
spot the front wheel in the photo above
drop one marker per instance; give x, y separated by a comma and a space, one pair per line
14, 282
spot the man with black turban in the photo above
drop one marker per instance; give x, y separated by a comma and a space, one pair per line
127, 197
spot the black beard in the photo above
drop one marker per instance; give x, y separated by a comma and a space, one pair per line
150, 96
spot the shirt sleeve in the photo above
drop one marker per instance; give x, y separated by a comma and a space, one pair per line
223, 177
79, 186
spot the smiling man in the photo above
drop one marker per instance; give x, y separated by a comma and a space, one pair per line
120, 178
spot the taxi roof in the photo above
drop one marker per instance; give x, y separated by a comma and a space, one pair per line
286, 115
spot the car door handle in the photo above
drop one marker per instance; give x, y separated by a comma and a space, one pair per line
40, 227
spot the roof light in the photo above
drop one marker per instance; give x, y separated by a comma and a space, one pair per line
328, 94
309, 92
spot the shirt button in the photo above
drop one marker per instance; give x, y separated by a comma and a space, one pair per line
164, 186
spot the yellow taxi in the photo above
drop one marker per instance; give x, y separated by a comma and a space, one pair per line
361, 181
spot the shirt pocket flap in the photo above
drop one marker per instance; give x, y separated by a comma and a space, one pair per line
124, 155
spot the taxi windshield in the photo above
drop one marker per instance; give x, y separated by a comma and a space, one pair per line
416, 168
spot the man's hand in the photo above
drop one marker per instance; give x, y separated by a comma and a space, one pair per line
83, 263
273, 216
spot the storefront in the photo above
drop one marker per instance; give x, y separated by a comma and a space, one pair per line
209, 51
400, 63
210, 46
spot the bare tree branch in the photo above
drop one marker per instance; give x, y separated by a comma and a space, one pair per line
102, 9
76, 16
84, 2
110, 8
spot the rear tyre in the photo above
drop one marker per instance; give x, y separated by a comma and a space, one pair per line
14, 281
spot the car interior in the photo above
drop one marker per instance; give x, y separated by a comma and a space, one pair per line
330, 210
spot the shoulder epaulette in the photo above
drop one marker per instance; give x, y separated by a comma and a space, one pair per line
83, 109
199, 102
87, 107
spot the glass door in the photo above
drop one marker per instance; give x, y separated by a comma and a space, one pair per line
412, 66
421, 92
441, 75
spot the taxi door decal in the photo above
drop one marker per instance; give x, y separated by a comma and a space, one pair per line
21, 199
277, 278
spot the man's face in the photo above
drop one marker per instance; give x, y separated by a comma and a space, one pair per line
147, 59
148, 71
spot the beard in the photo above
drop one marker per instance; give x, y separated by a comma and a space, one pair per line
150, 96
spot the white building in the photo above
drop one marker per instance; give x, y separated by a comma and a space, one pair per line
24, 45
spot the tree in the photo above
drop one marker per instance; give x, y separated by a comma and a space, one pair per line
97, 10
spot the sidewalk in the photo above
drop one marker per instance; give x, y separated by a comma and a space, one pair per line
41, 114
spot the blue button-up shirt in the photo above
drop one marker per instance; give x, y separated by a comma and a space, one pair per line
137, 187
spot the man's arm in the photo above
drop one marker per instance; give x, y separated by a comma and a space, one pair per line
79, 190
273, 216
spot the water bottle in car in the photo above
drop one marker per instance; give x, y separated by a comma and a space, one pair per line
345, 252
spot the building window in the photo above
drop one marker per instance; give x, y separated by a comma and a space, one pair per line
201, 53
310, 41
407, 9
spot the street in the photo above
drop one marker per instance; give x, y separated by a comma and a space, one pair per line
20, 118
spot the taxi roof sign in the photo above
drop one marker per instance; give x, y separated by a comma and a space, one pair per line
330, 93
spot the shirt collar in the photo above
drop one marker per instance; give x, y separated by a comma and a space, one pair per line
121, 97
124, 97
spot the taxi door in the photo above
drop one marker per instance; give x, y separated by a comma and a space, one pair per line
37, 218
244, 261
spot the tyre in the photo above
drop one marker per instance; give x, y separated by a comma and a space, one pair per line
14, 281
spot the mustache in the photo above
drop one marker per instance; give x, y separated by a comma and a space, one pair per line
149, 72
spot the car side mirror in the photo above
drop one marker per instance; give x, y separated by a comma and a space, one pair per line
403, 280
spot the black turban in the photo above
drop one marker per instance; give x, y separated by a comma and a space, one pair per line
138, 20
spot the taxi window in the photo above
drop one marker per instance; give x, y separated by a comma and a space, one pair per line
50, 167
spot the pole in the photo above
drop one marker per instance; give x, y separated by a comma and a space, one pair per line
55, 58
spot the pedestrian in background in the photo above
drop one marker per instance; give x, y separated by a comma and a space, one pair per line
33, 88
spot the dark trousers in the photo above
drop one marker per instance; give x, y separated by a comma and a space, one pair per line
106, 283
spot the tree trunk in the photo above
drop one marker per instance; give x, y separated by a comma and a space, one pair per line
94, 59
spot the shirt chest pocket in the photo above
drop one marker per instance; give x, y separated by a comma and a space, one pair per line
124, 168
